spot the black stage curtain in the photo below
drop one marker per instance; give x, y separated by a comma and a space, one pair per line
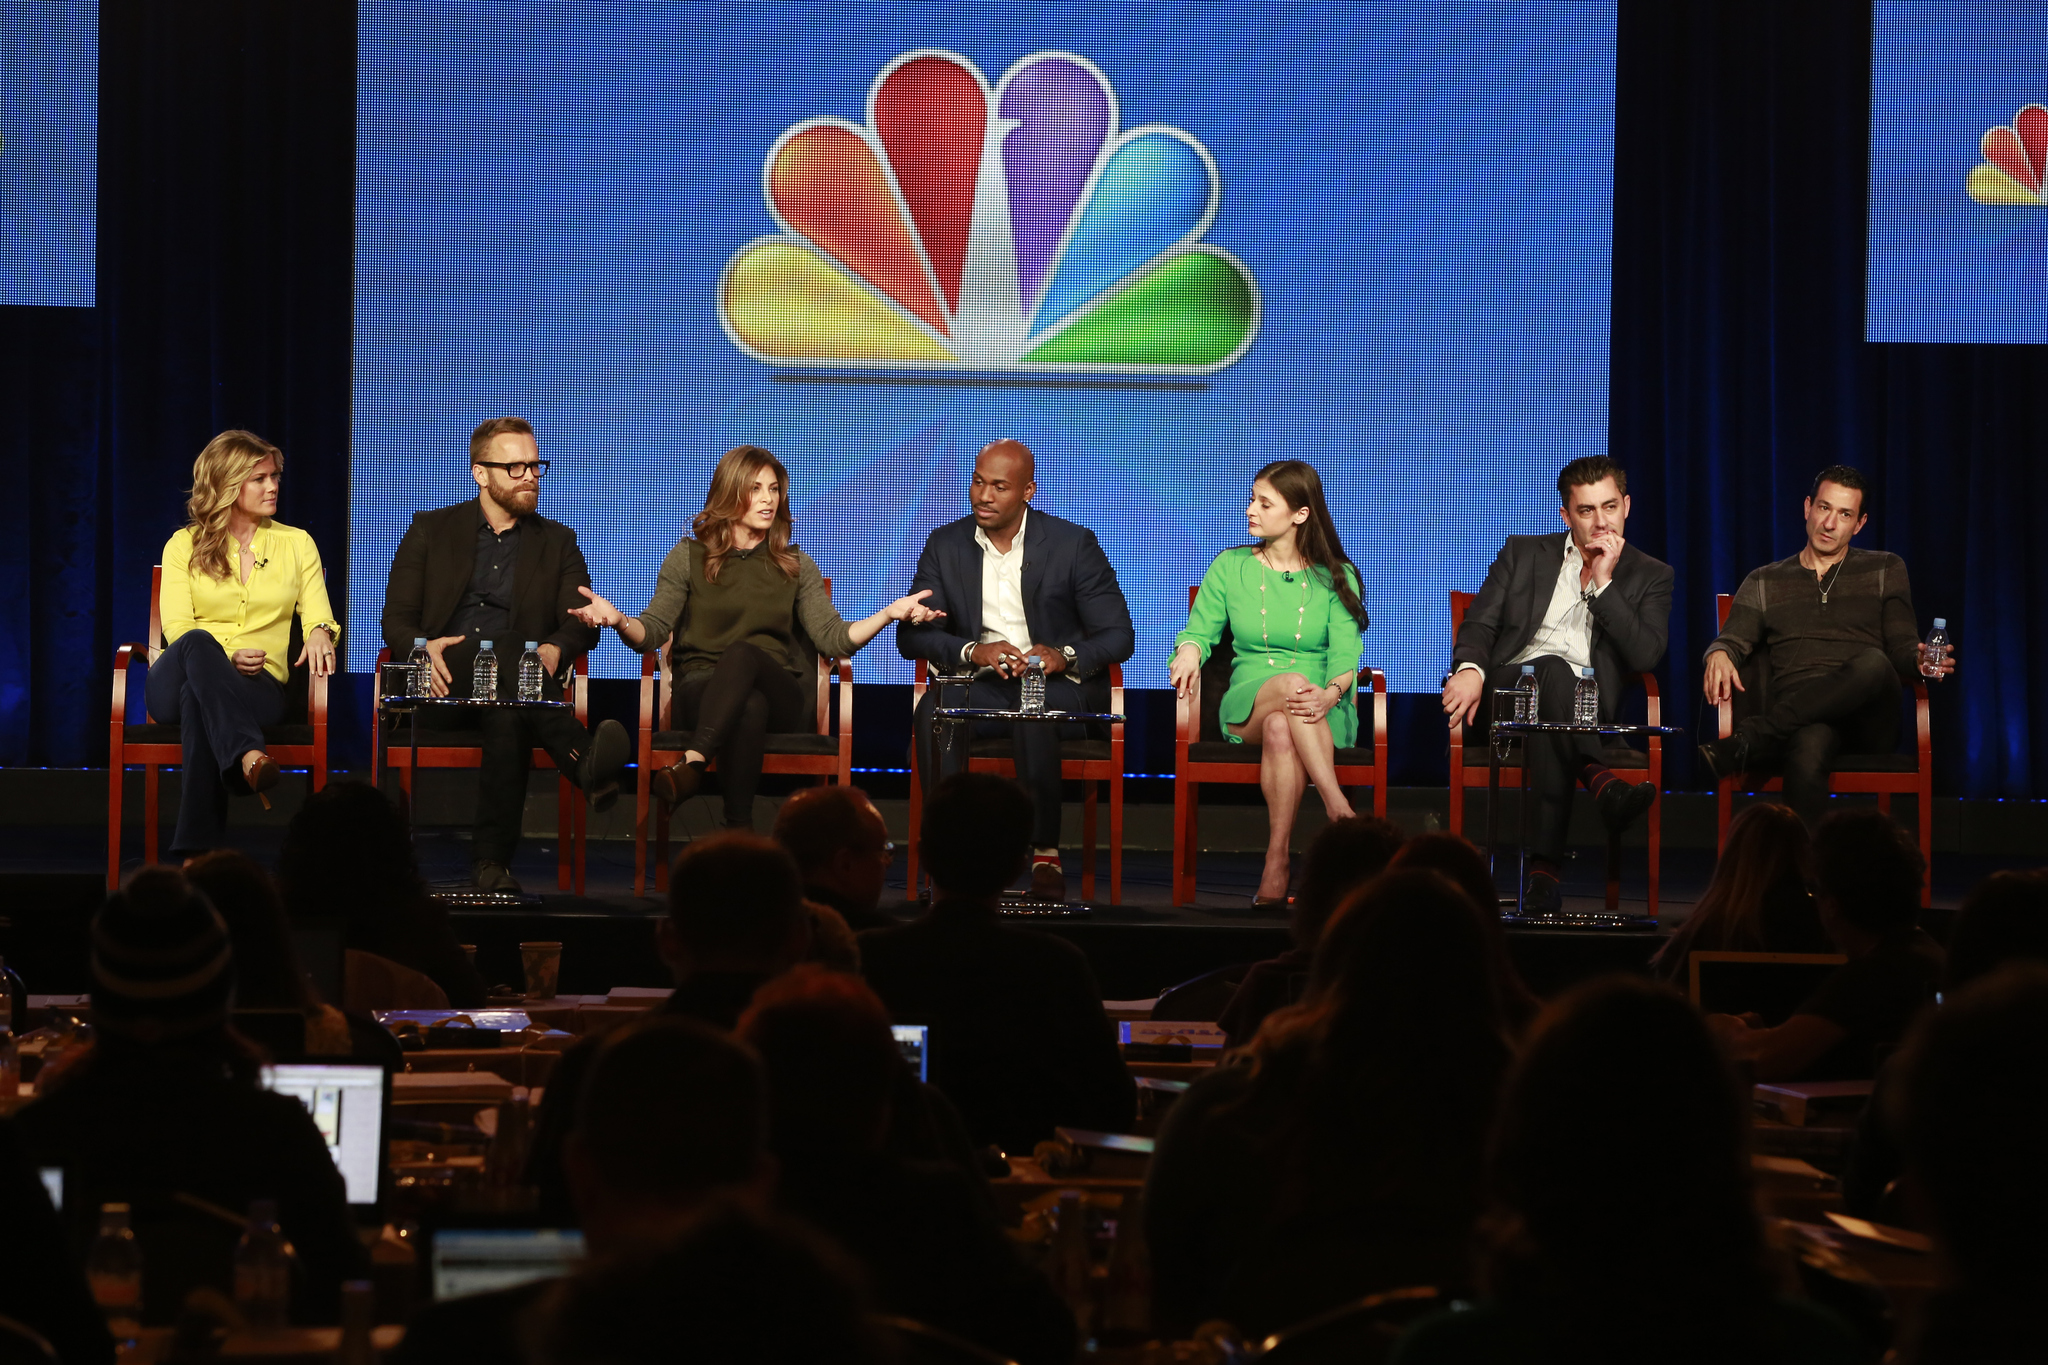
226, 175
1739, 366
226, 172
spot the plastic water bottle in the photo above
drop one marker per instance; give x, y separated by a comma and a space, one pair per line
113, 1271
531, 670
1586, 699
263, 1270
1034, 684
1525, 695
1937, 651
483, 674
421, 681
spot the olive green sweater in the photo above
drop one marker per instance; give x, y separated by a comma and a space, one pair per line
752, 601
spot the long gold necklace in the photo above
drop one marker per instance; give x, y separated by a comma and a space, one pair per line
1300, 615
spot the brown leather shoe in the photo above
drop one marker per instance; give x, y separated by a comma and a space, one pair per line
1048, 882
677, 783
261, 777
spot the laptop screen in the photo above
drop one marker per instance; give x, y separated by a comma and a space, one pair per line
474, 1260
347, 1105
914, 1042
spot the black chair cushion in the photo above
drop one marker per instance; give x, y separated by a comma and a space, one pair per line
1223, 751
158, 733
675, 741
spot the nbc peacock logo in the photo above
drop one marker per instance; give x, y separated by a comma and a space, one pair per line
2015, 160
1008, 229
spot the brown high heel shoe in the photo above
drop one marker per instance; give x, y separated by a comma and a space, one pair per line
678, 782
261, 777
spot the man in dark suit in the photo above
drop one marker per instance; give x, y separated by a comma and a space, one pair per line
493, 568
1015, 585
1562, 602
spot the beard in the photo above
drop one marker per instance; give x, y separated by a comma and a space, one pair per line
519, 502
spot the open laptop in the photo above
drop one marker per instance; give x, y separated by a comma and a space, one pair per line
477, 1260
914, 1042
347, 1104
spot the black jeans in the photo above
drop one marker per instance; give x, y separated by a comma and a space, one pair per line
1035, 744
220, 713
1854, 708
1554, 761
508, 739
731, 708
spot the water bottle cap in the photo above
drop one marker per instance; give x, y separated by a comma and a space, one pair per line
418, 640
1940, 623
483, 644
1585, 672
533, 644
1528, 670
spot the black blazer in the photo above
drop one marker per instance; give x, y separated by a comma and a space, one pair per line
431, 572
1631, 620
1071, 595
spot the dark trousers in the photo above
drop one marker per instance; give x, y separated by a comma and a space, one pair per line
508, 741
1852, 708
1035, 744
730, 709
220, 713
1554, 761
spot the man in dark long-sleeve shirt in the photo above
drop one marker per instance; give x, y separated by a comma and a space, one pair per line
1838, 627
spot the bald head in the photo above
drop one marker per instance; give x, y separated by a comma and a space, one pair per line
1004, 480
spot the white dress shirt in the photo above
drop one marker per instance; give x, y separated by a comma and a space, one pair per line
1002, 590
1567, 629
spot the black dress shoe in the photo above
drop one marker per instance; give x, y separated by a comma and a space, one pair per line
1267, 904
1621, 805
1048, 882
598, 772
496, 877
1541, 895
678, 782
1726, 757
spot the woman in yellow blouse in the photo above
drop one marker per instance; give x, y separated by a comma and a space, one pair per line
232, 580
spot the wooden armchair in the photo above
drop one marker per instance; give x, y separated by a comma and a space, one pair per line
300, 744
1201, 753
820, 753
1090, 761
1882, 774
1629, 764
463, 748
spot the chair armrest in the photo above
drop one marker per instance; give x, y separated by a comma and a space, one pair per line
1116, 727
125, 658
919, 679
844, 668
316, 704
1653, 708
581, 686
1187, 718
1923, 727
1373, 680
647, 686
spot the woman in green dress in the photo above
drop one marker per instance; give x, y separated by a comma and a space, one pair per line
1292, 602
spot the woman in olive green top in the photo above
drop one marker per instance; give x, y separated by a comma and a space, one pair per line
738, 596
1292, 604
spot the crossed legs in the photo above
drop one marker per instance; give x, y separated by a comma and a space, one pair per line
1293, 751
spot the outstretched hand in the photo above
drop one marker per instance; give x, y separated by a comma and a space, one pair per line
597, 613
911, 610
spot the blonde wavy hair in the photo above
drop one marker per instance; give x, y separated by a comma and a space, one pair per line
217, 478
732, 489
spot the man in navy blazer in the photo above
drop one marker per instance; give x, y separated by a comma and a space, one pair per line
1015, 584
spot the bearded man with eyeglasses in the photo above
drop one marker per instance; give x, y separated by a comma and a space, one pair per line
492, 568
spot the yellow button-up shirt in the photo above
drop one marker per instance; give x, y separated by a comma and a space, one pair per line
285, 577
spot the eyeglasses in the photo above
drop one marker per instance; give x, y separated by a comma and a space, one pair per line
517, 470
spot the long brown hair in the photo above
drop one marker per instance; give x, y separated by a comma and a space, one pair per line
732, 488
1767, 844
217, 478
1316, 539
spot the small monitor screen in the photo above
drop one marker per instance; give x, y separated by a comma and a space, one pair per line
474, 1261
53, 1181
347, 1104
913, 1041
